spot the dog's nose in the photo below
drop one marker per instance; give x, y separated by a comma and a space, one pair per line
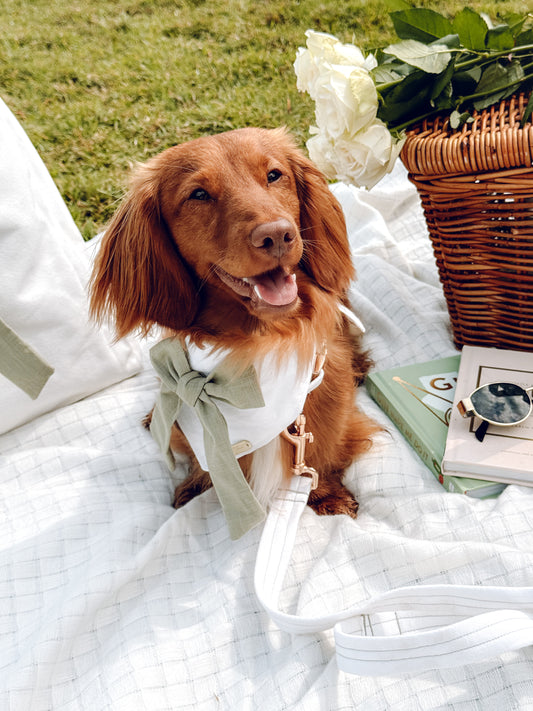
275, 238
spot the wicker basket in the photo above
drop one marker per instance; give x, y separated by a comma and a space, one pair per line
476, 188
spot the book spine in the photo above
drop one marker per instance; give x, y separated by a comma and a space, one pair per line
430, 458
453, 484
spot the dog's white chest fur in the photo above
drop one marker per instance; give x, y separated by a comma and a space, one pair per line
284, 385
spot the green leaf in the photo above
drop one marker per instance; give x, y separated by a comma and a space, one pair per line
455, 119
393, 5
471, 28
497, 82
433, 60
516, 22
421, 24
528, 111
406, 100
443, 103
443, 83
496, 76
464, 83
458, 119
384, 74
525, 37
500, 38
451, 41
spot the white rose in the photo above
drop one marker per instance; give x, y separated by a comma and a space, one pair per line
346, 100
307, 71
362, 159
320, 44
331, 50
322, 152
322, 51
311, 62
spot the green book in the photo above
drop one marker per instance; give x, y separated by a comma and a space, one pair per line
419, 399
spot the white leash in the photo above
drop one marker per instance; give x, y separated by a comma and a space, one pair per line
498, 619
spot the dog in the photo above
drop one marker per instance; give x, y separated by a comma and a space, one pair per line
235, 241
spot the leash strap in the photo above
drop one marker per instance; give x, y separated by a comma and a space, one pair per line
498, 619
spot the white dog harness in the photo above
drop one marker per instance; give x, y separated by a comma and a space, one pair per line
225, 416
284, 385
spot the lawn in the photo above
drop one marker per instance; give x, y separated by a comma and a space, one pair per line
99, 85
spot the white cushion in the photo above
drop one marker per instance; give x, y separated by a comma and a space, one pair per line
44, 270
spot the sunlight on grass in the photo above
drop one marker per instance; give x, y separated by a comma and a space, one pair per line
100, 85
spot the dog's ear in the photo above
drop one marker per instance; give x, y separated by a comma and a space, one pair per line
327, 255
139, 278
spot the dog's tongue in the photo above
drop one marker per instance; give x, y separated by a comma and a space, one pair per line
276, 288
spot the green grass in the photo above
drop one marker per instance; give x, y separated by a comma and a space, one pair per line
99, 85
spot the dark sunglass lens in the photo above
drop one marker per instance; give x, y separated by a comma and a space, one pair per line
504, 403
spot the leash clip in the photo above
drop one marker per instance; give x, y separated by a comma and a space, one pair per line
299, 438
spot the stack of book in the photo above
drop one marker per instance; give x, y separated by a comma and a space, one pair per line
421, 400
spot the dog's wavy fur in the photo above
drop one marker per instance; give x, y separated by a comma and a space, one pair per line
206, 208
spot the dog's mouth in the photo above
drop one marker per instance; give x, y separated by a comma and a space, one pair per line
275, 289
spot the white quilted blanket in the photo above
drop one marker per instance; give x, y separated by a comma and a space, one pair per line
111, 600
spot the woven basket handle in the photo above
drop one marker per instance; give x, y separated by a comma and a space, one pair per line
498, 619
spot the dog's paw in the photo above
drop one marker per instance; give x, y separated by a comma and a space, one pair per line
339, 502
191, 487
147, 420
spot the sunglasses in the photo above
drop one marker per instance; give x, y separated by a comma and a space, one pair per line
501, 404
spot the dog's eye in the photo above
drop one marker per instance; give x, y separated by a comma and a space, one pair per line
274, 175
199, 194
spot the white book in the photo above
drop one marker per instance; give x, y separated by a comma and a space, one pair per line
506, 453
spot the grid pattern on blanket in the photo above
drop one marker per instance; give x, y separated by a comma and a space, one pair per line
111, 600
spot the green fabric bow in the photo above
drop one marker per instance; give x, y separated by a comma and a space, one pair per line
21, 364
180, 384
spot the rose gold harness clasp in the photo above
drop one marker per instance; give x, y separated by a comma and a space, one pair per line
298, 437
